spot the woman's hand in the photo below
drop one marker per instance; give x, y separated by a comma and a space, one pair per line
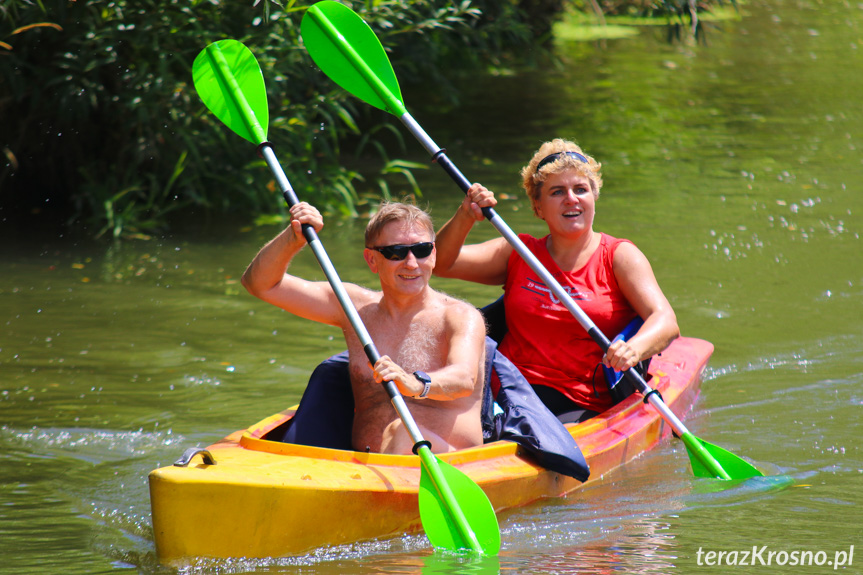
476, 198
621, 356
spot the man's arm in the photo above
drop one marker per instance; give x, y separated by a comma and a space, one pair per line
266, 276
465, 356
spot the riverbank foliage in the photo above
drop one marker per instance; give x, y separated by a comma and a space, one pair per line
101, 122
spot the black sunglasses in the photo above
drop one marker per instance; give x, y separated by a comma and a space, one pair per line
399, 252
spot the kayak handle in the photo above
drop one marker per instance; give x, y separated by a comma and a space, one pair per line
187, 456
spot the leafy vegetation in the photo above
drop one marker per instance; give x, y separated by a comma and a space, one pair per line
101, 121
684, 18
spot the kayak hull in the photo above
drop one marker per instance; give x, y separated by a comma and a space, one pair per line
269, 499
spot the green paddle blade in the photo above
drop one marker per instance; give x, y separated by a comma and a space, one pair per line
461, 564
347, 50
734, 466
437, 521
230, 82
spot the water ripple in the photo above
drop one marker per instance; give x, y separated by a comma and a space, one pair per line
95, 445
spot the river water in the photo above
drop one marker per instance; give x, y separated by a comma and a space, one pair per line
736, 166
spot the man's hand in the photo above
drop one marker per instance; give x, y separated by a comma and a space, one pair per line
304, 213
387, 370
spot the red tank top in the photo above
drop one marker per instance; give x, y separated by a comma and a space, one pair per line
545, 341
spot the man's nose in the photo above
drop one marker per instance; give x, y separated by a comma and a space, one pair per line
411, 260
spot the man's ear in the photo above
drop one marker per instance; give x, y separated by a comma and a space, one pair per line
369, 256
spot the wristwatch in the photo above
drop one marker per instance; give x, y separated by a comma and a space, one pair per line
423, 378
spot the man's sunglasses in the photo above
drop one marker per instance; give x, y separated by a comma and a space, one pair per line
399, 252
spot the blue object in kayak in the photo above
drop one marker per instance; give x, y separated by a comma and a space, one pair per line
325, 415
620, 387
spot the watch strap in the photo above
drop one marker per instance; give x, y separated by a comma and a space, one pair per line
423, 378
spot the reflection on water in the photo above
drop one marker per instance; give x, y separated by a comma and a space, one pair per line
734, 166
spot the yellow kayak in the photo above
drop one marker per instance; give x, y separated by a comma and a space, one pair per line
247, 496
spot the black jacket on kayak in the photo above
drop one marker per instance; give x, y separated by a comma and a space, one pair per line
325, 415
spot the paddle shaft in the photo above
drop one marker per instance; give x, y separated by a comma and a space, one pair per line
428, 459
439, 156
394, 105
339, 289
241, 116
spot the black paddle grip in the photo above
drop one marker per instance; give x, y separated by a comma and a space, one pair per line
631, 374
444, 162
291, 199
441, 159
635, 379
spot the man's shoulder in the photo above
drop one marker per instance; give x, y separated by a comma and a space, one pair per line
446, 299
455, 307
362, 293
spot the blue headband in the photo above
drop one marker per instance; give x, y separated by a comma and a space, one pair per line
549, 159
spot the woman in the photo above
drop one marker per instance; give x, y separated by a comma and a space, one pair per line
609, 278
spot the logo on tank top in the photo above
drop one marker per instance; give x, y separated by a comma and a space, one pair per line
539, 288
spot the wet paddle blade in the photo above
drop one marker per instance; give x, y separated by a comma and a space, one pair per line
347, 50
734, 466
230, 83
477, 509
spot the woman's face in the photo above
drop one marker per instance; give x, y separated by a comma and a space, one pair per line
567, 203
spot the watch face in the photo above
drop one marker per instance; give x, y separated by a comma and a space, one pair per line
423, 378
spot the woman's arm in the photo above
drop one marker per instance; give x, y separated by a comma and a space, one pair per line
483, 263
639, 286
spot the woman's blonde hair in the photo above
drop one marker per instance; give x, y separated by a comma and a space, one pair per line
554, 157
397, 212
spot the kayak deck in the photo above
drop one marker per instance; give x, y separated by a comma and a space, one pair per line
264, 498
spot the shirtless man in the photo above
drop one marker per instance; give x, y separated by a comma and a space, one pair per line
421, 333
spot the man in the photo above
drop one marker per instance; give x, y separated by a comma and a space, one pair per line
432, 345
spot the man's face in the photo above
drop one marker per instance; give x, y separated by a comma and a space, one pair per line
410, 275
